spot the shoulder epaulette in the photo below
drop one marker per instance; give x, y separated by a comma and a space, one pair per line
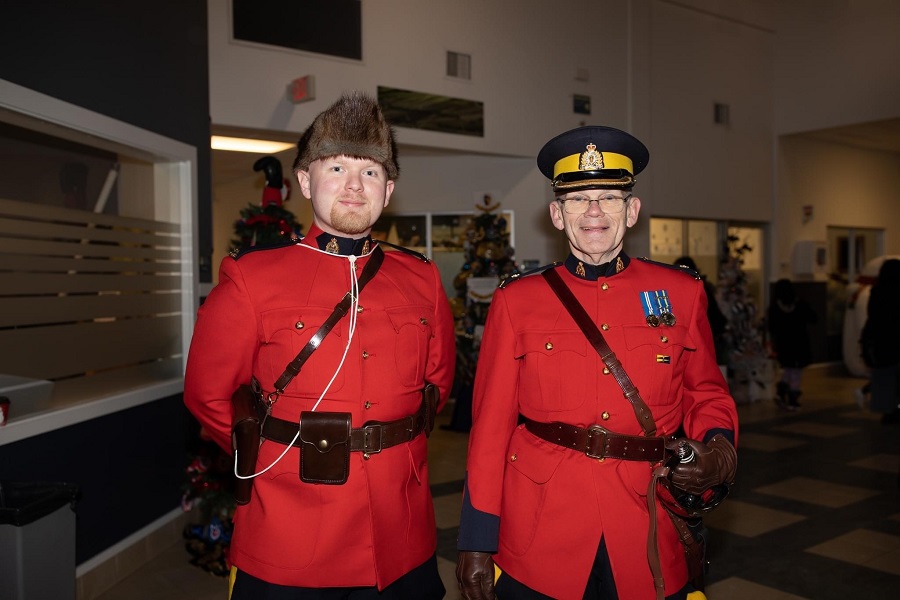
239, 252
418, 255
518, 276
680, 268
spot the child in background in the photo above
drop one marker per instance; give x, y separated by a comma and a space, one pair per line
788, 321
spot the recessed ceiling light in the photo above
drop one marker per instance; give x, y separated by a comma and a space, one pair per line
218, 142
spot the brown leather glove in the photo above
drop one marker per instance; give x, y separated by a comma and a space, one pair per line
712, 464
475, 575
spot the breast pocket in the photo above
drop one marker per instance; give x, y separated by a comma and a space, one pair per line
285, 332
655, 361
554, 362
412, 329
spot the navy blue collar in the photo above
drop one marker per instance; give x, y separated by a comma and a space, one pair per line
583, 270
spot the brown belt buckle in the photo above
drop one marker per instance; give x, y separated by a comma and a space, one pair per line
368, 431
595, 432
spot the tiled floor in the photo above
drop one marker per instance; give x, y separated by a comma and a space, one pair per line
815, 514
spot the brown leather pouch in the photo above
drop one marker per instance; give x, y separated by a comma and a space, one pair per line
249, 412
430, 394
324, 447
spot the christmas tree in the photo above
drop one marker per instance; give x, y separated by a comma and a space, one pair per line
750, 368
267, 222
489, 259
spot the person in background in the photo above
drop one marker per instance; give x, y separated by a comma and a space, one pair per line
364, 528
789, 318
560, 490
880, 336
718, 322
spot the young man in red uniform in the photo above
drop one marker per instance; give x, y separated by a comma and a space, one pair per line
561, 454
374, 535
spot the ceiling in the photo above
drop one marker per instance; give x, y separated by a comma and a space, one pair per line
883, 136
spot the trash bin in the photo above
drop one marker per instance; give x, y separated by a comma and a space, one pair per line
37, 540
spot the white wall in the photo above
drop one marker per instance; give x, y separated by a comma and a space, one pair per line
847, 187
655, 68
525, 55
838, 63
699, 168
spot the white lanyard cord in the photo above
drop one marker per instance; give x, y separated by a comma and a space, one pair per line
354, 303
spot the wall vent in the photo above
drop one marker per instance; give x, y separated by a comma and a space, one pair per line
459, 65
721, 114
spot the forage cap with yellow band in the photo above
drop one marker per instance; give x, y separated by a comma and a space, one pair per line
592, 157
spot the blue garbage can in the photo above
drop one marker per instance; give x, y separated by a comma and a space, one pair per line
37, 540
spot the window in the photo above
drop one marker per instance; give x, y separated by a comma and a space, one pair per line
97, 260
439, 236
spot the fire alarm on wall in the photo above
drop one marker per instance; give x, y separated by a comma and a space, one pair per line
302, 89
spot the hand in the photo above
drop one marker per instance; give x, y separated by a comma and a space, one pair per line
475, 575
713, 463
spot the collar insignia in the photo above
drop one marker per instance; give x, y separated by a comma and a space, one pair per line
332, 246
579, 270
620, 266
591, 160
365, 248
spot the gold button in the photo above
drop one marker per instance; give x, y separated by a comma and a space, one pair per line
514, 458
323, 444
548, 346
600, 459
605, 416
604, 287
299, 325
359, 308
606, 370
604, 327
365, 354
423, 321
368, 405
365, 456
664, 339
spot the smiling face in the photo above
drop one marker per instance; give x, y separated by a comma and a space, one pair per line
347, 194
595, 237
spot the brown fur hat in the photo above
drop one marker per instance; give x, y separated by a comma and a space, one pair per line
353, 126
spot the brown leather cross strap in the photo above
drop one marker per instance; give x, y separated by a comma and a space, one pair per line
339, 312
371, 438
587, 325
597, 442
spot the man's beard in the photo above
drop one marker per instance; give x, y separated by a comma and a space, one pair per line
351, 223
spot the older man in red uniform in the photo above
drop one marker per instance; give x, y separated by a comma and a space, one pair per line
374, 535
563, 449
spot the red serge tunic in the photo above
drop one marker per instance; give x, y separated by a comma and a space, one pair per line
554, 504
380, 524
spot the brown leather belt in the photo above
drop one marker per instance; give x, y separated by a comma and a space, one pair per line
597, 442
371, 438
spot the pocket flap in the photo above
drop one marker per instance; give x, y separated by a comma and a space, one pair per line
325, 431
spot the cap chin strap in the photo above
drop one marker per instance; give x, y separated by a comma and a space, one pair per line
584, 184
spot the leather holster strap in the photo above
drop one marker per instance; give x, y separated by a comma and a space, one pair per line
371, 438
592, 333
597, 442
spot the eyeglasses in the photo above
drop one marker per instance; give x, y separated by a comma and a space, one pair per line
578, 205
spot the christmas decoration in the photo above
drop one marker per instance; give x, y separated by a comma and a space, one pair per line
209, 493
751, 371
489, 259
268, 222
